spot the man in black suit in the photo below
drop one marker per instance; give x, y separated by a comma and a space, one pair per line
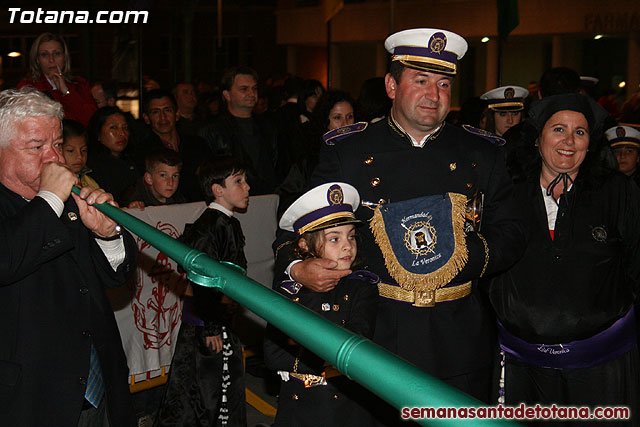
61, 357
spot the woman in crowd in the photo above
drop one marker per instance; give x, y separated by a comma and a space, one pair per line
310, 92
50, 69
333, 110
113, 167
566, 320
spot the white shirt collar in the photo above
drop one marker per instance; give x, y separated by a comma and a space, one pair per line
551, 206
414, 141
214, 205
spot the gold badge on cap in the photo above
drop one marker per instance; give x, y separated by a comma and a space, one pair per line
509, 93
437, 42
335, 195
620, 132
72, 216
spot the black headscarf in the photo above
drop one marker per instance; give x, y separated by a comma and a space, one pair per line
542, 111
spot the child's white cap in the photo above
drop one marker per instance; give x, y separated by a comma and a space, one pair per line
506, 98
623, 136
327, 205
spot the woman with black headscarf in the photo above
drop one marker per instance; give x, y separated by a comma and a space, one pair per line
566, 320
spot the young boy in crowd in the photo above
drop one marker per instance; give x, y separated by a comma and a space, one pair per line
159, 185
207, 352
75, 151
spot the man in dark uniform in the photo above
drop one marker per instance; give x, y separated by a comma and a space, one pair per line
411, 154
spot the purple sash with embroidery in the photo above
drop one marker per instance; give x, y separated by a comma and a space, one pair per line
607, 345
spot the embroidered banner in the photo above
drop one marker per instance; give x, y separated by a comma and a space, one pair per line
422, 240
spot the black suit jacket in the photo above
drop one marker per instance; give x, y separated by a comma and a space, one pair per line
52, 308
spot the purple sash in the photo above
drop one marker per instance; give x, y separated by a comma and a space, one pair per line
607, 345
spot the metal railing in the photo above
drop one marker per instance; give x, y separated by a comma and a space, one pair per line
395, 380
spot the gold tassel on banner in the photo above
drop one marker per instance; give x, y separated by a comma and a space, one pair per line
425, 282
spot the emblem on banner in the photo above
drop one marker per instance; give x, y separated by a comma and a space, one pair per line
420, 238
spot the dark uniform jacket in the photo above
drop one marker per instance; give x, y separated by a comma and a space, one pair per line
352, 304
52, 308
455, 337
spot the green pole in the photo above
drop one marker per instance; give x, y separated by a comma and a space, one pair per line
390, 377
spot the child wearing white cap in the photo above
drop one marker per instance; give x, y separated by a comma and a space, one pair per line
324, 222
625, 144
505, 105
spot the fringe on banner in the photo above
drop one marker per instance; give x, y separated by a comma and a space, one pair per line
425, 282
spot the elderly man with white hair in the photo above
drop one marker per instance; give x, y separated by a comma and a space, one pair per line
61, 357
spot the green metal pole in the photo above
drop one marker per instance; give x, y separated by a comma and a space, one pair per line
393, 379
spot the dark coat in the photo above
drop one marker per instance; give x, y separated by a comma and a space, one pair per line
225, 138
572, 287
194, 390
579, 283
52, 308
457, 337
117, 175
142, 192
221, 238
351, 304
